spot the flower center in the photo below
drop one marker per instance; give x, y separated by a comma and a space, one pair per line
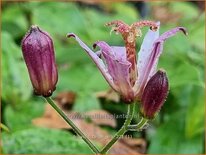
129, 34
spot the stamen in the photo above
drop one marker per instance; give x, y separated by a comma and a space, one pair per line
115, 22
138, 32
131, 37
114, 29
153, 25
119, 26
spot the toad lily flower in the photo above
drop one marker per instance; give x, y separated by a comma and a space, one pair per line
119, 65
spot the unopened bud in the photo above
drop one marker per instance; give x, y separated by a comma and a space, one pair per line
154, 94
38, 52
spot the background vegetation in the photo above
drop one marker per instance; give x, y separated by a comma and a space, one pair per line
178, 129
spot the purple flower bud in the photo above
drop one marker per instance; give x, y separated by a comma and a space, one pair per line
38, 52
154, 94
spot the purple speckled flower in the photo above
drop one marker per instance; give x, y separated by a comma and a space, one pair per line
38, 52
119, 65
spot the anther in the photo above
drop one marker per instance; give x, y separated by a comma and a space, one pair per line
153, 25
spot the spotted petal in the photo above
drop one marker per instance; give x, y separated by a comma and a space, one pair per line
118, 68
149, 54
96, 60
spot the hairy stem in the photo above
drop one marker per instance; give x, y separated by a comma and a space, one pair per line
130, 113
138, 127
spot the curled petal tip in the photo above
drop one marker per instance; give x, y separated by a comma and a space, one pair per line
184, 30
94, 45
70, 35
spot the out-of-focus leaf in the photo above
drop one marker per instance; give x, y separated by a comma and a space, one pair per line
85, 78
16, 84
65, 18
86, 102
190, 11
20, 116
169, 138
195, 113
184, 74
43, 141
197, 34
120, 9
14, 21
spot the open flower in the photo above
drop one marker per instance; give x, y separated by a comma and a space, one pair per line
119, 65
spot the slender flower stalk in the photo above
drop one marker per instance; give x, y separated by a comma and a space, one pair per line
107, 147
74, 127
140, 126
124, 128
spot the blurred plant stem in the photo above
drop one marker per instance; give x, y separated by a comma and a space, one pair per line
120, 133
140, 126
4, 127
126, 126
74, 127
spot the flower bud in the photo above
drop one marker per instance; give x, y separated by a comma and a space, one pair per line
154, 94
38, 53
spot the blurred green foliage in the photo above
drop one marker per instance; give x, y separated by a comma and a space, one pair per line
179, 128
44, 141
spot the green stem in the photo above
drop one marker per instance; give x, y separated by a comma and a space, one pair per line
74, 127
139, 126
130, 113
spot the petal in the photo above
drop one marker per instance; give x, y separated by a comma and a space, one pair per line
145, 54
116, 52
96, 60
118, 68
149, 54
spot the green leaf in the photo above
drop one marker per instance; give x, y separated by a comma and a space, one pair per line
20, 116
195, 117
85, 78
43, 141
190, 11
197, 34
86, 102
170, 138
16, 83
129, 17
183, 74
14, 21
71, 18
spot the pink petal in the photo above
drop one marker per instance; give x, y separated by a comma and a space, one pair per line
118, 68
145, 54
96, 60
149, 54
